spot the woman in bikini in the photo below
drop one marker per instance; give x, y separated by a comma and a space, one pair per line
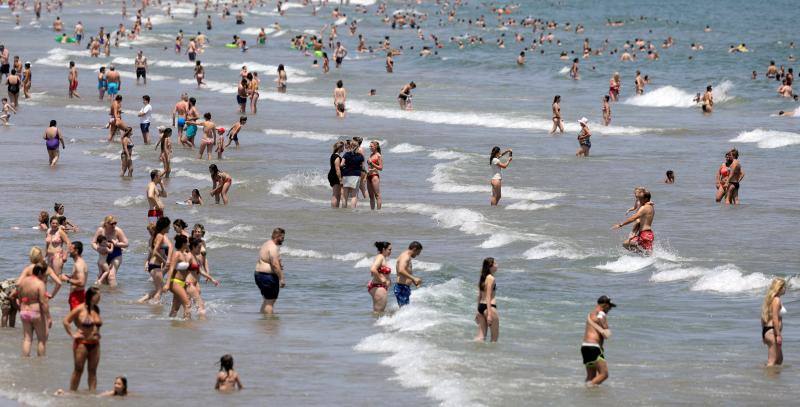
165, 142
614, 86
35, 257
199, 73
221, 183
209, 135
198, 266
86, 339
34, 311
487, 317
253, 91
126, 157
558, 124
281, 80
375, 164
55, 240
722, 177
381, 281
116, 236
772, 311
179, 264
160, 250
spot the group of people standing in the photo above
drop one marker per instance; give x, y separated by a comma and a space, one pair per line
350, 172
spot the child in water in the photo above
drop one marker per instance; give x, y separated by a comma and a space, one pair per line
195, 199
227, 378
104, 247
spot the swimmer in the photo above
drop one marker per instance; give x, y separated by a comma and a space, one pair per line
34, 312
707, 101
722, 177
378, 286
375, 166
119, 241
53, 138
72, 78
606, 110
351, 174
209, 135
339, 99
160, 251
487, 318
335, 174
405, 274
220, 140
120, 388
584, 138
179, 263
140, 63
104, 247
126, 157
521, 58
241, 98
269, 275
736, 176
594, 335
6, 111
114, 82
405, 95
102, 83
772, 311
233, 132
389, 63
13, 85
227, 378
639, 83
76, 280
281, 80
145, 117
254, 83
86, 339
199, 73
179, 112
643, 242
670, 177
221, 183
497, 168
574, 70
165, 144
614, 86
155, 190
557, 122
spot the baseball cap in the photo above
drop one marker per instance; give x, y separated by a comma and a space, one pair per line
605, 300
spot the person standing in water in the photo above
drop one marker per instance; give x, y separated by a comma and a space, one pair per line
53, 139
405, 95
497, 172
34, 310
220, 184
606, 110
227, 378
145, 116
405, 274
594, 335
584, 142
77, 280
643, 241
378, 286
375, 166
72, 78
86, 339
557, 122
269, 270
707, 101
772, 312
339, 99
141, 67
722, 175
735, 177
574, 70
155, 190
335, 174
487, 317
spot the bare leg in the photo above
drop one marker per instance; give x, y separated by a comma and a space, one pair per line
80, 354
267, 306
94, 360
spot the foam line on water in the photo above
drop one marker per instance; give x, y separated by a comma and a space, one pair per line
768, 138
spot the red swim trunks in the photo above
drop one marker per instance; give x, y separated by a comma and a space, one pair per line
644, 240
153, 215
76, 298
73, 85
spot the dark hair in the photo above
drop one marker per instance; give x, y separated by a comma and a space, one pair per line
381, 246
670, 174
485, 271
339, 83
734, 153
575, 60
226, 363
556, 98
118, 98
493, 154
180, 223
646, 196
153, 174
192, 101
78, 246
415, 245
89, 303
39, 268
207, 116
52, 123
278, 232
124, 391
214, 170
280, 67
180, 242
194, 242
146, 97
199, 226
162, 224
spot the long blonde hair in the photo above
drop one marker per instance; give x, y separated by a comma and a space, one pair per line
777, 285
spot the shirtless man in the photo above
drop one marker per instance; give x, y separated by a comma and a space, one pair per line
405, 95
76, 280
141, 67
72, 78
643, 241
5, 68
26, 80
339, 54
116, 122
179, 111
269, 270
155, 190
79, 32
339, 99
113, 82
707, 101
639, 83
594, 335
735, 177
233, 133
405, 274
772, 70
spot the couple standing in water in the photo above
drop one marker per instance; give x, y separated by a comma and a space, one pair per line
378, 287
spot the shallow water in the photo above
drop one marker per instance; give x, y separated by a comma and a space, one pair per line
686, 330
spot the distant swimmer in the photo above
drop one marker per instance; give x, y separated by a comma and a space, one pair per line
155, 190
606, 110
389, 62
614, 85
53, 139
269, 270
558, 123
670, 177
6, 111
497, 172
404, 98
594, 336
487, 318
584, 138
72, 79
643, 242
233, 132
405, 274
772, 311
736, 176
165, 145
76, 280
574, 70
141, 67
378, 286
199, 73
373, 181
339, 99
521, 58
707, 101
639, 83
772, 70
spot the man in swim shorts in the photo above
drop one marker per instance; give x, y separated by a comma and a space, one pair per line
595, 333
179, 111
77, 280
141, 67
269, 270
643, 241
114, 82
72, 78
405, 274
155, 190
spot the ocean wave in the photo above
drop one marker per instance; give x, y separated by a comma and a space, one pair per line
729, 279
302, 134
553, 250
271, 70
405, 148
767, 138
670, 96
290, 184
255, 30
127, 201
180, 172
627, 264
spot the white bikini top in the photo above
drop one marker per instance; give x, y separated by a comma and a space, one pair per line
182, 266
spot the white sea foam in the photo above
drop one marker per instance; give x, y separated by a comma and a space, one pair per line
627, 264
180, 172
553, 250
420, 265
528, 206
127, 201
256, 30
290, 184
340, 21
405, 148
670, 96
767, 138
302, 134
363, 263
729, 279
